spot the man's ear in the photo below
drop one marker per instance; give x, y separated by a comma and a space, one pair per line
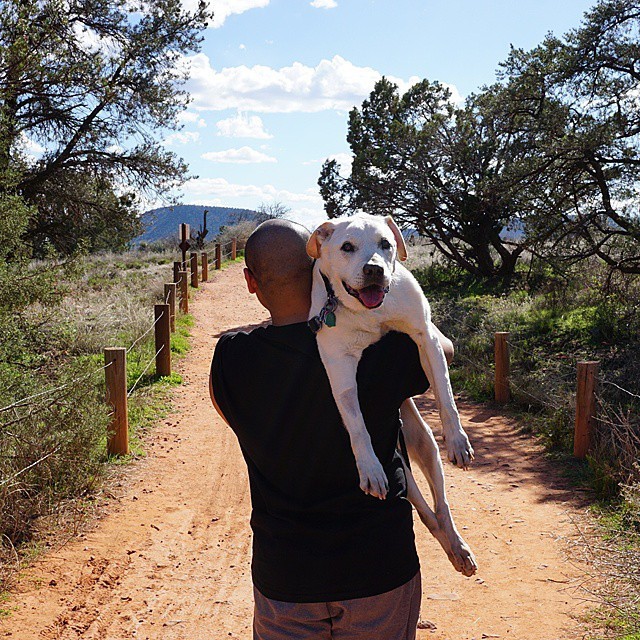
252, 285
322, 233
402, 247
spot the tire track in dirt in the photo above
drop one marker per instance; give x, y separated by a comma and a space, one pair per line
171, 558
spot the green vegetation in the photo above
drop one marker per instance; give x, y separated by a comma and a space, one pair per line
120, 58
543, 162
554, 320
55, 323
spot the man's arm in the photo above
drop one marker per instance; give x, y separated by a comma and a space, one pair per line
213, 399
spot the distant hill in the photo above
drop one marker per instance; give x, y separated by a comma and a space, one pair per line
163, 223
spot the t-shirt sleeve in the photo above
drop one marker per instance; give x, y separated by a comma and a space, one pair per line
218, 383
390, 372
404, 372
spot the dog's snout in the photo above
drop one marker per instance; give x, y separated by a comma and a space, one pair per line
373, 270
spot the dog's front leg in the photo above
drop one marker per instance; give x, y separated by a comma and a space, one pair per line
434, 363
342, 370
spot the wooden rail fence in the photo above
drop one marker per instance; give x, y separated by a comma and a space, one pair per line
185, 272
586, 388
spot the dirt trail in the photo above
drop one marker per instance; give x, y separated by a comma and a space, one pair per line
171, 559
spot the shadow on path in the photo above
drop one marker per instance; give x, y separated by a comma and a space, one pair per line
504, 453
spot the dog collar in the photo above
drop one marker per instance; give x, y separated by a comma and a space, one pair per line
327, 314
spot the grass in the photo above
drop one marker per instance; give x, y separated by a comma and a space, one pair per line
554, 320
107, 301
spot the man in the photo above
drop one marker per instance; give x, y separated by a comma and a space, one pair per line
328, 560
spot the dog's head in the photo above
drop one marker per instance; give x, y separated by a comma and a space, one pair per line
358, 255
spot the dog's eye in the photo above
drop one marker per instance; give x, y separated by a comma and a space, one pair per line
385, 244
347, 247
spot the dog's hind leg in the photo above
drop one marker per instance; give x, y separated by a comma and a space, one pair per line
341, 370
423, 449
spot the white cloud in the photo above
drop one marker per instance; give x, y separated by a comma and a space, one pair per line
244, 155
243, 126
222, 9
181, 137
456, 96
324, 4
343, 159
115, 148
191, 117
92, 42
30, 147
198, 188
335, 84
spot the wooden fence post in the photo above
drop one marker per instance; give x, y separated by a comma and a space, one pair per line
177, 268
170, 290
184, 243
501, 382
163, 339
205, 266
218, 256
585, 407
184, 292
234, 249
116, 385
194, 270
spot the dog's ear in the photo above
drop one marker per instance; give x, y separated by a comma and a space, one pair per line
322, 233
402, 247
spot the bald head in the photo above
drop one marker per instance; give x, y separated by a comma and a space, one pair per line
276, 255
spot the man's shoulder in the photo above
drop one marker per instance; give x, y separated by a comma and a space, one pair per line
234, 341
240, 337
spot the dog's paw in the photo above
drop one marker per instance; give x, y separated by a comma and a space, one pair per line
373, 479
462, 558
457, 550
459, 449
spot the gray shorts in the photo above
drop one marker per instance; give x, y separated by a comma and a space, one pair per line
389, 616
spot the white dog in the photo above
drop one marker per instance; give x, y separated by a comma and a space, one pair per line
360, 292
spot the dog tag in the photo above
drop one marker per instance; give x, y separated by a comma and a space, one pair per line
330, 319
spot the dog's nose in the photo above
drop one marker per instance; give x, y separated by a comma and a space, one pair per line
373, 270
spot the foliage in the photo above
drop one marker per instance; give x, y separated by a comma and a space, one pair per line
592, 72
589, 315
271, 211
53, 418
461, 176
90, 85
240, 231
543, 162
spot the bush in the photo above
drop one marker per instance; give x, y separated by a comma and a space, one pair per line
50, 445
240, 231
55, 320
594, 315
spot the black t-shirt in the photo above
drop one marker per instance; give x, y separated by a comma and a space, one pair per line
316, 536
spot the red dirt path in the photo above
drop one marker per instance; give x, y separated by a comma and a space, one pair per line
171, 558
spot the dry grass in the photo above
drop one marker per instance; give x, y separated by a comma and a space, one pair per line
52, 446
114, 304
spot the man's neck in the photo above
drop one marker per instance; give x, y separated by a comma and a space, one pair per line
280, 319
292, 311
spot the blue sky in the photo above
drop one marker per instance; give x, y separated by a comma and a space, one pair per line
275, 80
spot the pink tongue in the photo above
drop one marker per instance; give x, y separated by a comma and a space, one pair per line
371, 296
